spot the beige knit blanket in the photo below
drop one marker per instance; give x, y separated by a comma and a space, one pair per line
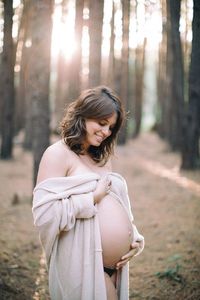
67, 220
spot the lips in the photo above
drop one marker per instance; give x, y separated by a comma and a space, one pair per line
99, 138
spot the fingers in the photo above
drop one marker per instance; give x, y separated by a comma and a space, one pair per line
122, 263
130, 254
108, 188
135, 245
134, 249
102, 188
108, 183
125, 258
105, 180
139, 246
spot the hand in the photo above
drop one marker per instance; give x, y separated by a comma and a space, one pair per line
135, 246
138, 238
102, 189
141, 246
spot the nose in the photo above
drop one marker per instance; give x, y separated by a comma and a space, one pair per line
106, 131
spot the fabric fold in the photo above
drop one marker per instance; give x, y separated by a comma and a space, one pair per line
67, 220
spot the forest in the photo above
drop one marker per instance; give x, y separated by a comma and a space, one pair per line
148, 52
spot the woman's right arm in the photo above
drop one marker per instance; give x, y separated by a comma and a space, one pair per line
55, 211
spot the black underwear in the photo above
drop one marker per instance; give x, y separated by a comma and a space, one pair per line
109, 271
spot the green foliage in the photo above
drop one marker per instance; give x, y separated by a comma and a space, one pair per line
174, 257
171, 274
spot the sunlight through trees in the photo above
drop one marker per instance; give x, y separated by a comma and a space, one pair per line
141, 49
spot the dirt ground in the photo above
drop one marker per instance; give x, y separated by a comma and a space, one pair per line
166, 205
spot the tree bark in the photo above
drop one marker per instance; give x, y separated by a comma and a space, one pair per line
95, 33
24, 80
20, 115
177, 75
161, 77
139, 86
38, 77
166, 105
62, 81
8, 102
124, 65
110, 71
75, 82
191, 130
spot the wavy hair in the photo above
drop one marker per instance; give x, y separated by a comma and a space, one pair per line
96, 103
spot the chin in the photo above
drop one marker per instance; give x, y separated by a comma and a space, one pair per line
95, 144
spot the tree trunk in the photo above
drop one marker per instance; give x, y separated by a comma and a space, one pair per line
20, 91
168, 83
24, 80
139, 86
191, 130
177, 94
124, 65
63, 78
95, 33
117, 62
38, 77
8, 83
75, 82
110, 71
161, 76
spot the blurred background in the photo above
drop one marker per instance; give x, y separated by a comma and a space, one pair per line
148, 52
51, 51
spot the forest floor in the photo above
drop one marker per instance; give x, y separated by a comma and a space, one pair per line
166, 204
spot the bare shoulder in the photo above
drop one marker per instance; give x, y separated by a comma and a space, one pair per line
56, 161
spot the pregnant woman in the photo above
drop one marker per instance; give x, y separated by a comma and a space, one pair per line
81, 207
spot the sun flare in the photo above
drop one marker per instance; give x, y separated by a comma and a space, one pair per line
63, 40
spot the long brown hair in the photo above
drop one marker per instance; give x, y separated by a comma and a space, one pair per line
96, 103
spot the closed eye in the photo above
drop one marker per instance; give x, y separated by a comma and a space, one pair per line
106, 123
102, 123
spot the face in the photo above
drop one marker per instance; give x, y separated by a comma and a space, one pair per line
98, 130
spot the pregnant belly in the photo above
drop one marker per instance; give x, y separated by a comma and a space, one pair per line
116, 230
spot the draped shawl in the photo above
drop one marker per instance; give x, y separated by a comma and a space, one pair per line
67, 220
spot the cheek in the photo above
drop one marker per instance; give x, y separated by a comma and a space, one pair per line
95, 127
91, 128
